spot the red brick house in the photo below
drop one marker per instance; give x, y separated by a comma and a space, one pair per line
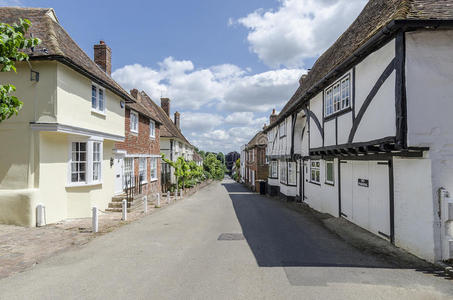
256, 167
137, 160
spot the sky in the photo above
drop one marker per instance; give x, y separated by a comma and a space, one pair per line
225, 64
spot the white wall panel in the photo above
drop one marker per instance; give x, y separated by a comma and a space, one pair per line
344, 127
329, 133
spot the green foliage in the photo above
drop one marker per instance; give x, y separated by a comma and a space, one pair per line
188, 174
12, 41
221, 157
238, 164
214, 166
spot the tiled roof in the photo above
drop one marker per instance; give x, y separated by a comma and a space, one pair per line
197, 157
373, 18
168, 128
58, 45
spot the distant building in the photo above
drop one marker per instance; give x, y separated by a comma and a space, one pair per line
230, 160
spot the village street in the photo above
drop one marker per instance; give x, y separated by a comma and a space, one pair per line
176, 254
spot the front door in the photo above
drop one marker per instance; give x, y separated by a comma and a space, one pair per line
118, 167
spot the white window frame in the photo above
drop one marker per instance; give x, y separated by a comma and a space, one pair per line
338, 96
143, 168
153, 168
330, 162
97, 161
292, 173
315, 168
283, 172
273, 169
126, 171
96, 99
152, 128
89, 161
134, 128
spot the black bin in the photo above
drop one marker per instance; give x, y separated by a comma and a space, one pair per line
263, 187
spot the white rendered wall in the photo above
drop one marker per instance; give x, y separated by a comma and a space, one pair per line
329, 133
414, 219
429, 89
324, 197
379, 119
344, 128
316, 108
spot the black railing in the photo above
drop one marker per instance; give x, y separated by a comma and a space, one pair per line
133, 186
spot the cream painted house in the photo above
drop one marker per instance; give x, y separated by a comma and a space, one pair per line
58, 151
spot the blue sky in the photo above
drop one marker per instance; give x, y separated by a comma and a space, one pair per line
224, 64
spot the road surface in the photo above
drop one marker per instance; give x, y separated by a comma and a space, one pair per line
265, 251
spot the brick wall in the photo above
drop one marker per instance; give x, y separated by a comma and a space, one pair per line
142, 143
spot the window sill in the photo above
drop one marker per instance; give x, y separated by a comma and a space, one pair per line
153, 180
75, 185
330, 183
315, 183
98, 112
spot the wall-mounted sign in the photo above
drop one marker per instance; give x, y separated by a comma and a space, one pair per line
363, 182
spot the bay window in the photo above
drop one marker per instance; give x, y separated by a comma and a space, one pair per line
329, 172
273, 169
283, 172
85, 162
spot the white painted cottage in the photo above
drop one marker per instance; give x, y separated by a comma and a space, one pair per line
368, 134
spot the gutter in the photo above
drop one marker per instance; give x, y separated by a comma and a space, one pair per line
382, 35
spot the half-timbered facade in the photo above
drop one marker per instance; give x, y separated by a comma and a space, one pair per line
368, 130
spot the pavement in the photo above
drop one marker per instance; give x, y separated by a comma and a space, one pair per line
224, 242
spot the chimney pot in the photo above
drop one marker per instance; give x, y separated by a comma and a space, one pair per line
136, 94
165, 104
103, 57
273, 117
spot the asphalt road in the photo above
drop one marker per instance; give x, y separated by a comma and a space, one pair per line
176, 254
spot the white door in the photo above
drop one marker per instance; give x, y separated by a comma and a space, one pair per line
118, 167
365, 195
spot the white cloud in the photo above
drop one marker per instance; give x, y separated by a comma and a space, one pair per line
298, 29
228, 86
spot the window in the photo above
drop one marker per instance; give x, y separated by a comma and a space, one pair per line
329, 172
152, 129
283, 172
129, 172
97, 98
314, 171
292, 173
134, 121
78, 162
273, 172
96, 161
282, 129
338, 96
143, 161
153, 169
85, 162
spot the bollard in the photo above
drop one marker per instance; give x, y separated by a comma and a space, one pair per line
180, 193
40, 215
158, 200
95, 222
124, 218
168, 197
145, 204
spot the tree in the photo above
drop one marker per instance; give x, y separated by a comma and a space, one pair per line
12, 41
214, 167
221, 157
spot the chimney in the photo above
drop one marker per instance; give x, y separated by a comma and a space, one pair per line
302, 78
135, 93
103, 57
177, 117
165, 104
273, 117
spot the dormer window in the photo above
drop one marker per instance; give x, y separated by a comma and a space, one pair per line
97, 98
337, 97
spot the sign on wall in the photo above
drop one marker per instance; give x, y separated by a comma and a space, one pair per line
363, 182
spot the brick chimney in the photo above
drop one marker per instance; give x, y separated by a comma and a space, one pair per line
103, 57
302, 78
177, 118
165, 104
135, 93
273, 117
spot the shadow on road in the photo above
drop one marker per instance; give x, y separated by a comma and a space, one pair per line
281, 237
